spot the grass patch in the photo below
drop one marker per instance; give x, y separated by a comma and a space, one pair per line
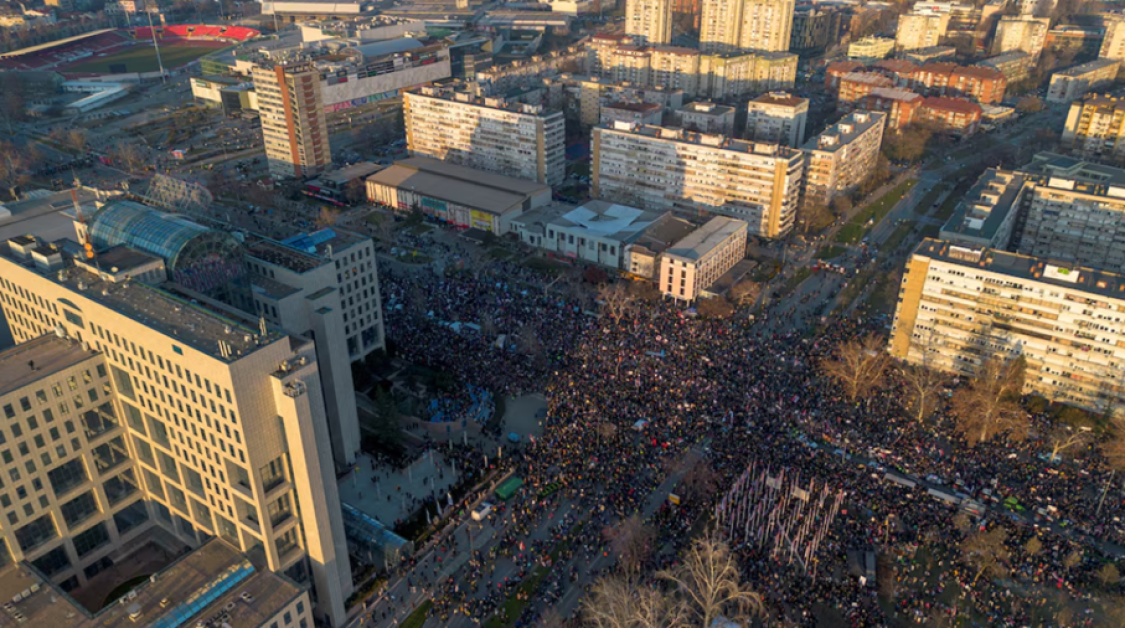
143, 59
896, 238
413, 257
417, 619
513, 607
498, 252
931, 197
830, 251
946, 209
420, 229
765, 271
855, 228
543, 265
124, 588
800, 276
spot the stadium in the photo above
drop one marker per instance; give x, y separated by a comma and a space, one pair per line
127, 51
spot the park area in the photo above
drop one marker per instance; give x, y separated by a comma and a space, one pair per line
142, 58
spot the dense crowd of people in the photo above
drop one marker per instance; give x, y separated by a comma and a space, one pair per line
627, 398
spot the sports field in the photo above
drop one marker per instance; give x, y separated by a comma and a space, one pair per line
142, 59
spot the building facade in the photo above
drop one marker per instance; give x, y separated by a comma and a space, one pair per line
1094, 127
707, 117
961, 305
900, 105
659, 169
955, 116
1027, 34
815, 30
917, 30
649, 21
294, 127
1072, 83
519, 140
1074, 221
843, 156
777, 117
736, 25
871, 49
224, 421
691, 265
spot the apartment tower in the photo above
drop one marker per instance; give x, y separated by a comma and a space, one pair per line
649, 21
734, 25
294, 129
514, 139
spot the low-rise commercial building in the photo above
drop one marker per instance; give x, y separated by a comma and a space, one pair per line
707, 117
598, 232
960, 305
455, 194
986, 216
843, 156
691, 265
1072, 83
931, 53
777, 117
344, 186
659, 169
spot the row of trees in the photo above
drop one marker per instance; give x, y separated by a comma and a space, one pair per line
987, 406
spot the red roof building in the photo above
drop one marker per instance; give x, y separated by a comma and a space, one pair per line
900, 105
984, 85
953, 115
898, 70
836, 70
855, 86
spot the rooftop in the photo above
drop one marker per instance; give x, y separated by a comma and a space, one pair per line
447, 93
1091, 66
844, 132
355, 171
1048, 163
951, 104
193, 323
285, 256
870, 78
50, 354
42, 202
703, 240
895, 93
213, 582
986, 206
707, 108
633, 106
1007, 57
931, 51
599, 219
486, 191
720, 142
780, 98
1065, 275
983, 72
896, 65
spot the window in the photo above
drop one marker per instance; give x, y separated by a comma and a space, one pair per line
92, 539
67, 476
79, 509
131, 516
36, 533
120, 486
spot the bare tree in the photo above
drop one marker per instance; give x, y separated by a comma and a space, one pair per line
632, 541
700, 482
610, 604
76, 139
923, 389
987, 553
528, 341
745, 292
355, 192
1033, 546
385, 230
858, 366
326, 217
715, 307
13, 164
1109, 575
129, 155
710, 586
1064, 437
1114, 449
989, 404
488, 326
616, 300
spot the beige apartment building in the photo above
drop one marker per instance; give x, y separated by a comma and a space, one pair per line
220, 420
657, 168
736, 25
733, 75
707, 117
872, 49
632, 64
518, 140
1113, 43
1072, 83
690, 266
843, 156
917, 30
1028, 34
1094, 127
1075, 221
294, 127
961, 305
777, 117
649, 21
673, 67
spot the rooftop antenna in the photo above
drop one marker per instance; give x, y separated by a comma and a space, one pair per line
152, 29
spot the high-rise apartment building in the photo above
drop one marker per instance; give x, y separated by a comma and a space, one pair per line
917, 30
221, 421
1095, 126
294, 129
777, 117
673, 67
1075, 221
1072, 83
734, 25
659, 168
961, 305
649, 21
843, 156
518, 140
1113, 43
815, 29
1027, 34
